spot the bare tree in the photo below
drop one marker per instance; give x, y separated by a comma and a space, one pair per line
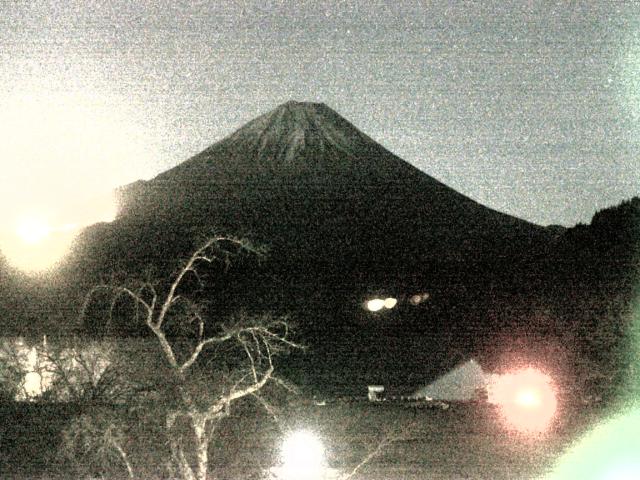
84, 372
200, 388
96, 443
12, 370
378, 447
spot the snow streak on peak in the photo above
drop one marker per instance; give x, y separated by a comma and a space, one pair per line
281, 134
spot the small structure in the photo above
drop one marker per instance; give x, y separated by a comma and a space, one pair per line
376, 393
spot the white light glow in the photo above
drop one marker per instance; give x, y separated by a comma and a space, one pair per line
33, 230
40, 239
64, 151
303, 457
375, 305
390, 302
33, 384
528, 398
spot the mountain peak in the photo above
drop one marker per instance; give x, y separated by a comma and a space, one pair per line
296, 105
294, 127
297, 115
294, 142
306, 181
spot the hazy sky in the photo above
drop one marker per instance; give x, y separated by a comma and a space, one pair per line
531, 108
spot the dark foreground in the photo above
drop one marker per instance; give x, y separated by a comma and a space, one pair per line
466, 441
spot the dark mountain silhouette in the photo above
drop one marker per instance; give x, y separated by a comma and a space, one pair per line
306, 182
343, 220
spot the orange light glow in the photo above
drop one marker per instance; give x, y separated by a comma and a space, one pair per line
36, 239
526, 398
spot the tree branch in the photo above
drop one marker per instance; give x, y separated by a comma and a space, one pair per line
164, 344
170, 314
198, 255
198, 349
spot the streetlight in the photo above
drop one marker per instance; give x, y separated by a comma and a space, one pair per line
302, 457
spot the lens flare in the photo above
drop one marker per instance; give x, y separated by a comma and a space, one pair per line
64, 150
526, 398
609, 451
35, 247
36, 238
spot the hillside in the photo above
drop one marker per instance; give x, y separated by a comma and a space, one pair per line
307, 183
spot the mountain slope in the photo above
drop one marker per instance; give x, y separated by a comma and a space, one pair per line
343, 219
305, 181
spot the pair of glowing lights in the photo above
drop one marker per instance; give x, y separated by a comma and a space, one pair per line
377, 304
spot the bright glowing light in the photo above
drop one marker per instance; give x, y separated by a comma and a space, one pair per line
302, 457
375, 305
38, 241
526, 398
64, 150
33, 384
35, 256
390, 302
33, 230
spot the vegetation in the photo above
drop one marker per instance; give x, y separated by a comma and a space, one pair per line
189, 373
465, 441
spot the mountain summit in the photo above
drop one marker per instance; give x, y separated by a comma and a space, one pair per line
299, 126
306, 141
307, 182
288, 132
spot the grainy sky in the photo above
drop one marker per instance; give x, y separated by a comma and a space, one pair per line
532, 108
